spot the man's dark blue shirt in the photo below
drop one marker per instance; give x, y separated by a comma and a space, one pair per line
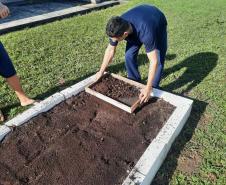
149, 24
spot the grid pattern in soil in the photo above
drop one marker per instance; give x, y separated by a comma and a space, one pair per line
82, 141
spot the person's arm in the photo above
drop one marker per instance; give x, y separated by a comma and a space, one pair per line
145, 93
4, 11
108, 56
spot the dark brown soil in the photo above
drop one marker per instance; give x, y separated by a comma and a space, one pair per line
82, 141
117, 90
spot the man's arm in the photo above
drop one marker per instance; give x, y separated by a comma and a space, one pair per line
108, 56
4, 11
145, 93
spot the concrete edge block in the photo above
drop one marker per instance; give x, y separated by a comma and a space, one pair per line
4, 130
77, 88
22, 118
174, 125
49, 102
149, 169
173, 99
134, 178
152, 158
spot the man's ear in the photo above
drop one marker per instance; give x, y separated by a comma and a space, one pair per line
126, 34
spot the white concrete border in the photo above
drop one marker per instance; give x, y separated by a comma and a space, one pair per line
156, 152
149, 163
4, 130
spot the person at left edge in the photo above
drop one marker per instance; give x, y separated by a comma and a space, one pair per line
8, 71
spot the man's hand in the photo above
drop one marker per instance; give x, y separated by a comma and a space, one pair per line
4, 11
145, 94
99, 74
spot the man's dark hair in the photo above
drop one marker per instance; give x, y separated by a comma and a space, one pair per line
116, 26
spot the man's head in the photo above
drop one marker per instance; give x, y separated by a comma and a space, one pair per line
117, 28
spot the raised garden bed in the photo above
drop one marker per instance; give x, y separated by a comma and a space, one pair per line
85, 140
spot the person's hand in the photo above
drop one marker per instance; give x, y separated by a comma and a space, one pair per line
145, 94
4, 11
99, 74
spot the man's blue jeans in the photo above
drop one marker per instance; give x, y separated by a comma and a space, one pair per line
132, 64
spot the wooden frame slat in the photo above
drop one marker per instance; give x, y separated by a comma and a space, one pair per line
112, 101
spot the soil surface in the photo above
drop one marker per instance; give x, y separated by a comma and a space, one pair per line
82, 141
117, 90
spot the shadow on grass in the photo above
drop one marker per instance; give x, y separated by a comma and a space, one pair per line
197, 67
143, 59
170, 56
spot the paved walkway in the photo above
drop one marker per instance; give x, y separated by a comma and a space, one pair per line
23, 14
23, 10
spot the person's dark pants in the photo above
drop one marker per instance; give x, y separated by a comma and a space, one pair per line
6, 66
132, 64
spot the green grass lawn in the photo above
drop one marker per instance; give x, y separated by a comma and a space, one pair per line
72, 49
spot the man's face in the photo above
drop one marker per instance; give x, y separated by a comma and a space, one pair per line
125, 34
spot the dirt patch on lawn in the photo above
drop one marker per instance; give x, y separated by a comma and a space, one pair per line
82, 141
212, 177
189, 164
